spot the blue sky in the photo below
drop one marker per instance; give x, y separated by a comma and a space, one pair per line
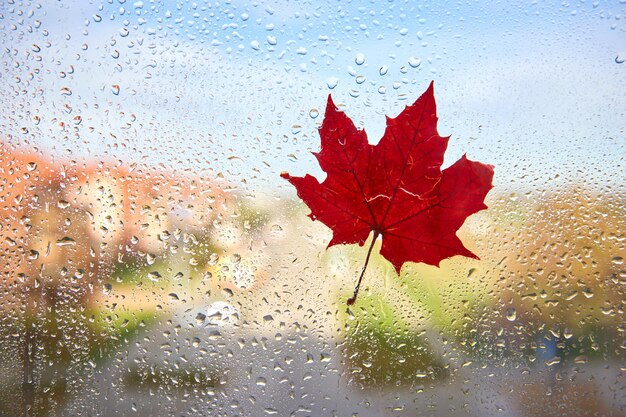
233, 87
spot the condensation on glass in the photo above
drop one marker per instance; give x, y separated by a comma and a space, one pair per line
155, 263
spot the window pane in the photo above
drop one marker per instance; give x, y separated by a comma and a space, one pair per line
154, 262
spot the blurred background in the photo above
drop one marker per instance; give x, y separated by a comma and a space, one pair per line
155, 263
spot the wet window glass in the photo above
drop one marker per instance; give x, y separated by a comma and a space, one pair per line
157, 261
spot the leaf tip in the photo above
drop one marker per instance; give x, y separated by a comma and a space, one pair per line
330, 104
285, 175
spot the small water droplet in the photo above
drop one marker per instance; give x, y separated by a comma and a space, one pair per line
66, 241
332, 82
200, 318
554, 361
359, 59
313, 113
414, 62
154, 276
620, 58
115, 89
383, 70
511, 314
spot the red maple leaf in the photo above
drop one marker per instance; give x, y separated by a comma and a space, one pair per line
395, 189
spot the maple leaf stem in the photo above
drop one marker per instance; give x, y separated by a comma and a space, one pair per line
352, 299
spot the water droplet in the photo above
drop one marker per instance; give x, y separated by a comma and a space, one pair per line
313, 113
360, 79
383, 70
154, 276
511, 314
620, 58
115, 89
66, 241
97, 18
200, 318
124, 32
414, 62
359, 59
332, 82
554, 361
